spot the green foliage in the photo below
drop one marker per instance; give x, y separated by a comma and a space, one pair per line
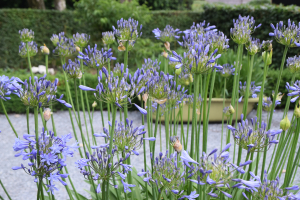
167, 4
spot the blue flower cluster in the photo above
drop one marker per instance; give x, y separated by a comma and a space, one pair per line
8, 86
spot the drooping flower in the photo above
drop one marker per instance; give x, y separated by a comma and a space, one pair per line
252, 90
286, 35
227, 70
169, 34
31, 50
41, 92
95, 58
72, 69
242, 29
50, 161
293, 64
108, 37
81, 39
26, 35
253, 136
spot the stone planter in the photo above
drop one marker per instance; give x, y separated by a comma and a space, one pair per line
216, 110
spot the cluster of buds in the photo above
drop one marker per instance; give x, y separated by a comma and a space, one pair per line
267, 54
64, 46
185, 78
26, 35
41, 92
227, 70
218, 40
8, 86
159, 86
242, 29
108, 38
176, 94
102, 168
29, 48
46, 154
216, 171
96, 58
252, 91
286, 35
72, 69
119, 70
293, 64
253, 46
253, 136
81, 39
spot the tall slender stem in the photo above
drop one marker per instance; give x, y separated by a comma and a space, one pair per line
205, 119
29, 63
46, 63
247, 93
125, 65
223, 113
5, 190
6, 115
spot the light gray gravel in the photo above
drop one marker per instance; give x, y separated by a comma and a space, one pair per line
21, 186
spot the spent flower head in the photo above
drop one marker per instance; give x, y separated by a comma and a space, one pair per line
81, 39
26, 35
72, 69
242, 29
169, 34
41, 92
29, 48
228, 111
49, 159
286, 35
293, 64
253, 136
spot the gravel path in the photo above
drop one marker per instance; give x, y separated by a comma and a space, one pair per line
21, 186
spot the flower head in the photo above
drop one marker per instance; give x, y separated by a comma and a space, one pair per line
294, 90
40, 93
28, 48
293, 64
56, 39
72, 69
108, 37
26, 35
127, 30
169, 34
253, 46
8, 86
252, 135
286, 35
152, 65
227, 70
242, 29
252, 92
200, 28
81, 39
268, 104
175, 142
95, 58
64, 46
50, 160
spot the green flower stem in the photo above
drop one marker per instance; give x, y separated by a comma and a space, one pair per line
155, 129
145, 157
160, 193
160, 143
101, 112
5, 190
181, 127
36, 126
125, 65
284, 158
273, 107
27, 119
194, 119
46, 63
188, 122
291, 159
108, 105
5, 113
223, 113
295, 165
199, 124
167, 127
29, 63
247, 93
103, 189
205, 119
40, 190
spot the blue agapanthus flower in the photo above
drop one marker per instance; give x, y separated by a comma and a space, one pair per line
108, 37
253, 90
81, 39
253, 136
102, 168
95, 58
72, 69
294, 90
293, 64
169, 34
40, 93
127, 30
267, 104
227, 70
64, 46
26, 35
31, 50
49, 161
200, 28
286, 35
8, 86
253, 46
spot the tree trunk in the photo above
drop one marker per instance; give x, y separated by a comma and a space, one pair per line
36, 4
60, 5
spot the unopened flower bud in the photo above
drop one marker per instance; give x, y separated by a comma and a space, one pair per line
297, 112
94, 104
47, 114
229, 110
267, 45
165, 54
178, 71
267, 57
167, 45
191, 78
285, 123
160, 101
77, 48
45, 50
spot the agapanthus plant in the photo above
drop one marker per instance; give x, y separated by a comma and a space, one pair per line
65, 47
227, 70
169, 34
127, 30
40, 93
81, 39
286, 35
95, 58
293, 64
253, 90
102, 169
49, 161
72, 69
108, 37
167, 175
215, 171
242, 29
28, 48
26, 35
159, 86
176, 94
218, 40
253, 136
